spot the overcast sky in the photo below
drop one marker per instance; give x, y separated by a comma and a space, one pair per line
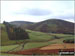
36, 11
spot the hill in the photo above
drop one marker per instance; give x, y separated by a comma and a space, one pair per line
53, 26
15, 33
33, 36
36, 39
21, 24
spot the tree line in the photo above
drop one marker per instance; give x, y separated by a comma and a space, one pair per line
15, 33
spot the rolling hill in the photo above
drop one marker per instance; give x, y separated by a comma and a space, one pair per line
37, 39
47, 26
53, 26
21, 24
34, 36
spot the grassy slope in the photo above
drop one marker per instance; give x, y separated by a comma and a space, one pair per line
37, 44
7, 48
4, 37
53, 25
37, 36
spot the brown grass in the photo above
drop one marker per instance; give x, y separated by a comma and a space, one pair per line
50, 49
58, 46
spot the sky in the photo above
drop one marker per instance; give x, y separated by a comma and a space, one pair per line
36, 11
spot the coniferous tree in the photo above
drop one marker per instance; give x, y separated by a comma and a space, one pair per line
15, 33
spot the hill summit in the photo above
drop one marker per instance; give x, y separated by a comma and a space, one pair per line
53, 26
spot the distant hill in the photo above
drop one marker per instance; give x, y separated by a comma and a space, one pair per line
53, 26
21, 24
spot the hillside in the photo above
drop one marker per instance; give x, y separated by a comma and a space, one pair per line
36, 39
34, 36
53, 26
21, 24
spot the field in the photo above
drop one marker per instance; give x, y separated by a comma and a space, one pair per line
58, 46
37, 40
50, 49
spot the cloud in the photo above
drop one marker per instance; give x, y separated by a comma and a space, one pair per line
36, 12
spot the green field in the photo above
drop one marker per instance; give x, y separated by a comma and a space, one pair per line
37, 39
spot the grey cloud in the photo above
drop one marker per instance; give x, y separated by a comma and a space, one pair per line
36, 12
